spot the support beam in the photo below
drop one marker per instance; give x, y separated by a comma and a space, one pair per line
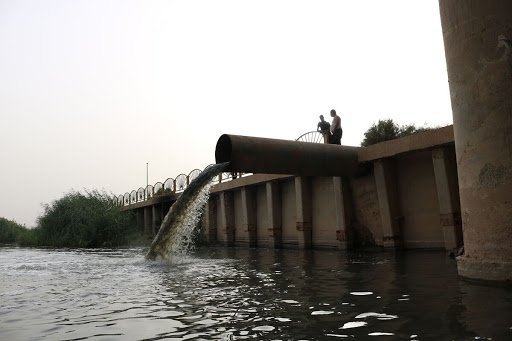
148, 221
139, 216
249, 214
156, 218
274, 214
478, 47
227, 211
342, 205
304, 211
447, 187
385, 180
210, 221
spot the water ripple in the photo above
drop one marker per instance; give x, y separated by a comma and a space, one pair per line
234, 294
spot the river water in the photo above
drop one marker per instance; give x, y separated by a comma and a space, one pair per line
236, 293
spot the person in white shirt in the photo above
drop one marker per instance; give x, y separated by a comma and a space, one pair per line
336, 131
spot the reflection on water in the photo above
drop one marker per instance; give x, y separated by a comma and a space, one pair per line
235, 294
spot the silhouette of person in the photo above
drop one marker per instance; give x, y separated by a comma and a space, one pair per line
336, 131
323, 125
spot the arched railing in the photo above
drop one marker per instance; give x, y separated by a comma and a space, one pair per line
169, 185
158, 189
193, 174
181, 183
140, 194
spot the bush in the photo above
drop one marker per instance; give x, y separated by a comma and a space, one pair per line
10, 231
84, 220
386, 130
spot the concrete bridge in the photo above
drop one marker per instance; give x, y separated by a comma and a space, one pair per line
478, 47
404, 196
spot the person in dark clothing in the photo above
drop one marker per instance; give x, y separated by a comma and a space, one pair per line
323, 126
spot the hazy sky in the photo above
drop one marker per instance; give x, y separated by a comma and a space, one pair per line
91, 90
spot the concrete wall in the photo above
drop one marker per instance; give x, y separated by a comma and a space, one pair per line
407, 197
323, 212
367, 226
419, 207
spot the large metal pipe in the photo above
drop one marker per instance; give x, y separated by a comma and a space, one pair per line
272, 156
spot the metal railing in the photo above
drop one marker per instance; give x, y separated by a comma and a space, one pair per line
169, 186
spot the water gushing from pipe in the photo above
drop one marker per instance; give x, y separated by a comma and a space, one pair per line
175, 236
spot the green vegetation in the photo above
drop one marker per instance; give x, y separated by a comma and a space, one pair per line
385, 130
10, 231
77, 220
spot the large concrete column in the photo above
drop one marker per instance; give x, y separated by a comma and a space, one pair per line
249, 214
385, 181
341, 204
274, 213
304, 211
227, 211
447, 187
478, 46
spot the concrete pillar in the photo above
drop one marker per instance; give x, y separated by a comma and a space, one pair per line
249, 214
478, 47
148, 221
304, 211
156, 218
227, 211
447, 187
210, 221
139, 216
274, 213
341, 204
385, 181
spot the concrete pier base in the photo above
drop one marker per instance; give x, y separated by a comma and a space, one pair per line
341, 203
385, 180
249, 215
210, 222
478, 46
227, 217
448, 197
304, 211
274, 213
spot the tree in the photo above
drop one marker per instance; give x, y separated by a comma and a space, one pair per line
385, 130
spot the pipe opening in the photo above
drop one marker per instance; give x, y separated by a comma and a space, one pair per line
223, 149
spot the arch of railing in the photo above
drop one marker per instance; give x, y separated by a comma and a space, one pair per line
193, 174
169, 185
180, 183
313, 137
141, 194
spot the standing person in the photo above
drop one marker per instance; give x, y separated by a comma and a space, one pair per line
336, 131
323, 126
